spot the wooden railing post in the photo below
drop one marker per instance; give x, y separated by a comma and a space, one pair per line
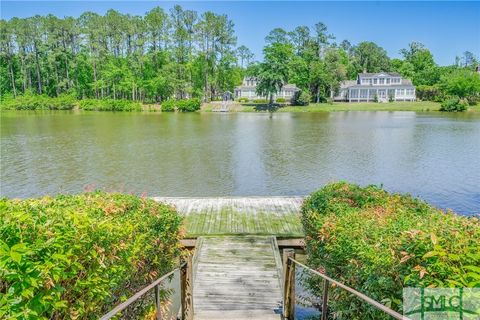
326, 284
288, 284
158, 311
186, 288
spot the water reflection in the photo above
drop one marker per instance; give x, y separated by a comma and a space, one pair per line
432, 155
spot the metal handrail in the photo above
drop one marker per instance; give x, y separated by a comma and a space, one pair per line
122, 306
360, 295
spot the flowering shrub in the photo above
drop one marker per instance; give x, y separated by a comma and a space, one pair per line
75, 257
378, 243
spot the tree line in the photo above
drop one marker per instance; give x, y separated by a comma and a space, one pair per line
162, 54
183, 54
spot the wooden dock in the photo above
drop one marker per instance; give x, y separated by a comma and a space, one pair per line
237, 278
279, 216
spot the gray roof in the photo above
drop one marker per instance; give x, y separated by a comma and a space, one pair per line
347, 83
392, 74
288, 86
353, 83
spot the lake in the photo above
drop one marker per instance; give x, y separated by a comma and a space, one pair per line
431, 155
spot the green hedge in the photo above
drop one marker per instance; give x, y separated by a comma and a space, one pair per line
189, 105
378, 243
38, 102
75, 257
185, 105
453, 105
168, 106
109, 105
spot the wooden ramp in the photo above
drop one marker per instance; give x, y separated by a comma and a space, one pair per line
237, 278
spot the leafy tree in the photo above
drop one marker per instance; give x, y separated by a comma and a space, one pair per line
273, 72
369, 57
422, 66
461, 83
244, 55
277, 35
469, 60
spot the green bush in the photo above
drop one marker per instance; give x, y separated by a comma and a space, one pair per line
428, 93
280, 100
378, 243
39, 102
263, 101
109, 105
77, 256
168, 105
302, 98
453, 105
243, 100
189, 105
185, 105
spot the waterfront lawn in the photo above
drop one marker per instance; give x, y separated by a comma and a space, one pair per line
366, 106
342, 106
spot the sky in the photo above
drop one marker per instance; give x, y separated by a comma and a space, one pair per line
446, 28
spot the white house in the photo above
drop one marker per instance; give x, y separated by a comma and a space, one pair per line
383, 86
249, 86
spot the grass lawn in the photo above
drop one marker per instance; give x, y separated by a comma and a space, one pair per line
366, 106
353, 106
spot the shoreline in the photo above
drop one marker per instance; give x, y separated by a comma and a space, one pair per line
417, 106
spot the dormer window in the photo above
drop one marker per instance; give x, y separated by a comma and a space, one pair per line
381, 80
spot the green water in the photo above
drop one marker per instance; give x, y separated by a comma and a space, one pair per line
432, 155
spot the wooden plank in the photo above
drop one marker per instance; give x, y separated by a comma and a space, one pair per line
277, 216
237, 278
291, 243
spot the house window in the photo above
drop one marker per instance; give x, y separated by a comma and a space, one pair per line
388, 80
381, 80
363, 93
354, 93
373, 92
375, 80
400, 92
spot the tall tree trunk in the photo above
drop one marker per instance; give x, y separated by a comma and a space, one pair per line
95, 78
67, 73
12, 78
37, 66
24, 73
